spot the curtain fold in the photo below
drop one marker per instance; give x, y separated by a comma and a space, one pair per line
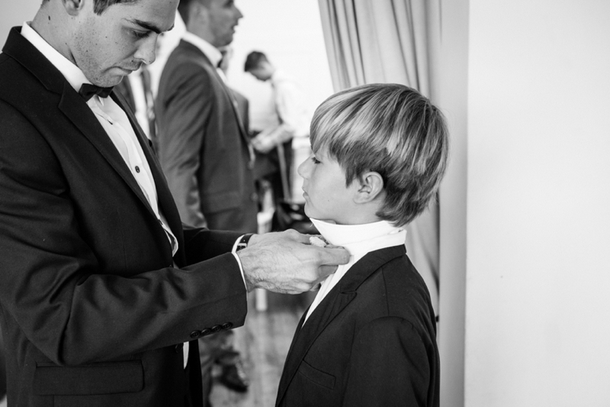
383, 41
379, 41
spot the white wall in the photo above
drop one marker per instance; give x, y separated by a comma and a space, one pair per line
452, 96
14, 13
538, 203
290, 34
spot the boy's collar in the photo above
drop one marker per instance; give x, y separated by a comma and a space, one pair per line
352, 235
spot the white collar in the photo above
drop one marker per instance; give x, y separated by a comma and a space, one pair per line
69, 70
210, 51
361, 239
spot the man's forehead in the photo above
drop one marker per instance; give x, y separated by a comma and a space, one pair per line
153, 15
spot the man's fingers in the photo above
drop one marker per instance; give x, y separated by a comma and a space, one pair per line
325, 271
334, 255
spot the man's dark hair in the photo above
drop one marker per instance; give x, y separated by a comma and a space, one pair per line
184, 7
254, 59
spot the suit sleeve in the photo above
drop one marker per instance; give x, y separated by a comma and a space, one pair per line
389, 366
182, 115
58, 288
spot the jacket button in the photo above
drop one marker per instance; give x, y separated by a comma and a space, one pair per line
227, 325
206, 331
215, 328
196, 334
178, 348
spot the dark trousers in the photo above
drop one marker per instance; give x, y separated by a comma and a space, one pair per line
268, 167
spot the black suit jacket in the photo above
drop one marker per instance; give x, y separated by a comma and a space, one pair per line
93, 310
203, 145
370, 342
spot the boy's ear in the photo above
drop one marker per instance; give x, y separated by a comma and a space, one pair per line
369, 188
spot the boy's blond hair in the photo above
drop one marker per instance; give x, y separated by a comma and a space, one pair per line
390, 129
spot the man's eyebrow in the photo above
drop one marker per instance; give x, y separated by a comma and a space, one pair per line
148, 26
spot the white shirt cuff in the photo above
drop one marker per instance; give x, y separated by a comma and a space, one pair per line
241, 268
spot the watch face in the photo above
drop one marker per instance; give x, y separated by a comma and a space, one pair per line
243, 242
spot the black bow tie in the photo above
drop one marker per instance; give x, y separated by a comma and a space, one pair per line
87, 91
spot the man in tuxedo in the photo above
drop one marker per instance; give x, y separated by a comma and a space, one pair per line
204, 150
103, 292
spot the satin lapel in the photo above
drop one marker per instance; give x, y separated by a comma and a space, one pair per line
291, 362
332, 305
235, 107
72, 105
190, 48
167, 205
229, 93
306, 334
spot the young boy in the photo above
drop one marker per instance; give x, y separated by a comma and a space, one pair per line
368, 339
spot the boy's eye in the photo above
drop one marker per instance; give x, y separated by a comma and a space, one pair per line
315, 160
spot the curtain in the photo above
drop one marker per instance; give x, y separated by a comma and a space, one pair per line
372, 41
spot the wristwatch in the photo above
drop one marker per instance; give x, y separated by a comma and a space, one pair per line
243, 242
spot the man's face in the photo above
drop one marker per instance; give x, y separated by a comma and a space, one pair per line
261, 72
109, 46
223, 18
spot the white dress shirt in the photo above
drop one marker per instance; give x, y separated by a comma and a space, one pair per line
290, 104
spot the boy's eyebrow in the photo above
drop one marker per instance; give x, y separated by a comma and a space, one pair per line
148, 26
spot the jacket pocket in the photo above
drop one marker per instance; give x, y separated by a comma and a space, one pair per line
316, 376
98, 378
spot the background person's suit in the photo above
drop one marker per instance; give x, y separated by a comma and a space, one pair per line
92, 309
203, 147
370, 342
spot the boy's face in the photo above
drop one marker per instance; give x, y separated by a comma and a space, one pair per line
326, 195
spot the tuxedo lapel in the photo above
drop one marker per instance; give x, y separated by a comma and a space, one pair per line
77, 111
229, 94
306, 334
166, 202
331, 306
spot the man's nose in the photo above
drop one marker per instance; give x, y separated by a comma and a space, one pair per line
147, 50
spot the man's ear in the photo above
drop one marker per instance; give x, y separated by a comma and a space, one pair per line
369, 186
73, 7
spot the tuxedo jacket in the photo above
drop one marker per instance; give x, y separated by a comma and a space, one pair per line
370, 342
93, 310
203, 145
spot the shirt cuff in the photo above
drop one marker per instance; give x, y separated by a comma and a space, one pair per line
241, 268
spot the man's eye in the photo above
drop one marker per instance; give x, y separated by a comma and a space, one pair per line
140, 34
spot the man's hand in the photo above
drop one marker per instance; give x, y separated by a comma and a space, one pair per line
286, 262
268, 140
263, 143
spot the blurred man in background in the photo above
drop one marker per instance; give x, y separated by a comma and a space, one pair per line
274, 144
205, 152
